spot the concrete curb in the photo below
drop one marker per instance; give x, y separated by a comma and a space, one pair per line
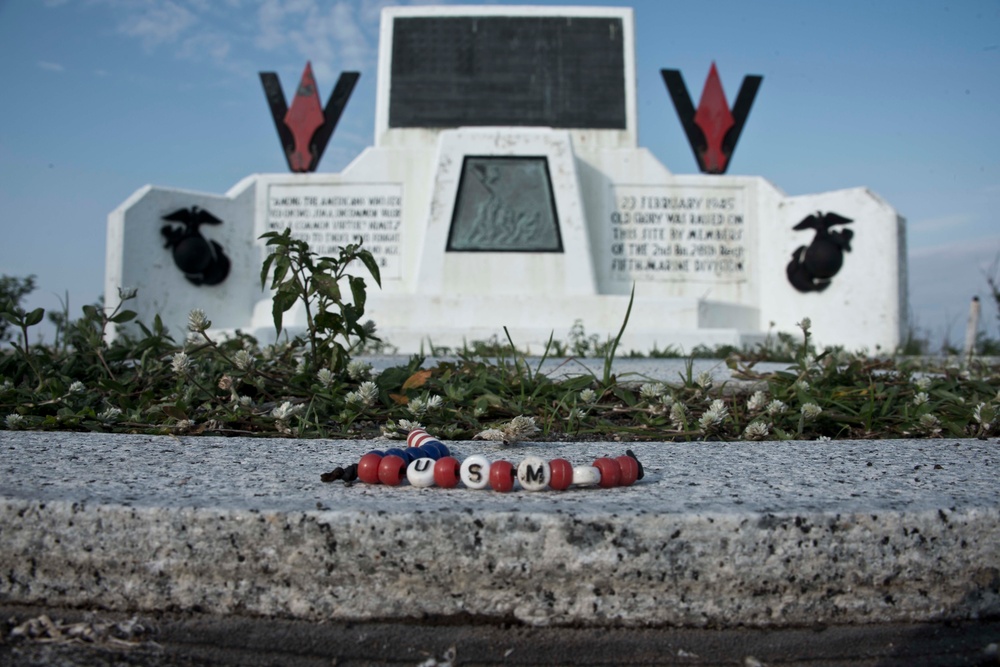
718, 535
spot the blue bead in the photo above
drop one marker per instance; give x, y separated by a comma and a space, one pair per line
440, 445
397, 452
376, 451
430, 451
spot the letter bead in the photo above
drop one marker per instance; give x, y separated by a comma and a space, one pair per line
368, 468
534, 473
475, 472
420, 472
586, 476
446, 472
502, 476
392, 470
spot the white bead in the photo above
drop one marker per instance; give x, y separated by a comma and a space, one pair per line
534, 473
475, 472
420, 472
586, 476
419, 439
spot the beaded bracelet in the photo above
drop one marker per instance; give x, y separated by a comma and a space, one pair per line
426, 461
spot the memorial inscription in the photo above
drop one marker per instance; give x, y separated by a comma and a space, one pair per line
661, 233
330, 216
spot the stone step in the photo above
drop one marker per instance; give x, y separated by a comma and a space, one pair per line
717, 535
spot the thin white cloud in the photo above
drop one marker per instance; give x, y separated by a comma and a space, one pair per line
333, 38
51, 67
156, 23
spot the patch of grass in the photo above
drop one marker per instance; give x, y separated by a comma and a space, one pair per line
316, 385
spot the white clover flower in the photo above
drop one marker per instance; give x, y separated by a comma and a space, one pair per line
184, 425
757, 401
922, 383
810, 411
181, 363
930, 423
478, 411
366, 393
920, 398
678, 416
757, 430
244, 360
588, 396
286, 410
242, 401
7, 385
984, 415
408, 426
14, 421
652, 390
325, 377
714, 416
418, 406
667, 400
801, 385
823, 438
518, 428
776, 407
300, 366
126, 293
110, 415
704, 380
197, 321
805, 324
433, 402
77, 387
358, 369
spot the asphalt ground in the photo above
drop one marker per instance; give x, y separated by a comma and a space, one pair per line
192, 639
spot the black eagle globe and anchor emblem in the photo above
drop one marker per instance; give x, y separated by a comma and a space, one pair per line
813, 266
203, 262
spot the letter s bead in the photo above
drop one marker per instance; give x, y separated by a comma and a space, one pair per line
475, 472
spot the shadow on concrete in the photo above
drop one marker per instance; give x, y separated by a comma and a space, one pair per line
190, 639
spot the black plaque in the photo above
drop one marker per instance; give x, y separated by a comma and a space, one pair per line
505, 204
566, 72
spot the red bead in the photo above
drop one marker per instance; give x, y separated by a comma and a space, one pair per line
611, 472
413, 435
502, 476
630, 470
562, 474
446, 472
368, 468
392, 470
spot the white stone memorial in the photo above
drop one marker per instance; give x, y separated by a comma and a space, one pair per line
501, 194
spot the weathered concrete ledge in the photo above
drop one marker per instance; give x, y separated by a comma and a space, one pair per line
718, 534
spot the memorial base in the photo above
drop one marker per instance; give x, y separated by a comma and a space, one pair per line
414, 324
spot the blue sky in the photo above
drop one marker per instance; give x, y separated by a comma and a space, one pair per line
104, 96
